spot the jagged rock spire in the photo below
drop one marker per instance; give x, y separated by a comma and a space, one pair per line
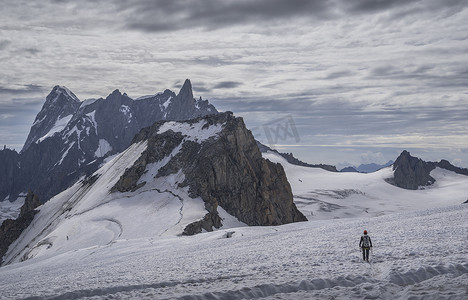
186, 92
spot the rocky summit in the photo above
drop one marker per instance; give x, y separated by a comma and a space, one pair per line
413, 173
221, 163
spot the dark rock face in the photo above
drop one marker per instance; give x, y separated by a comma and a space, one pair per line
88, 132
9, 165
10, 230
226, 170
231, 172
412, 172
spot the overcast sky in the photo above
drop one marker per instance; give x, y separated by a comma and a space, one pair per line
339, 82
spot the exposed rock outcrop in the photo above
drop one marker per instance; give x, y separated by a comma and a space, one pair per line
225, 169
413, 173
9, 162
10, 229
231, 172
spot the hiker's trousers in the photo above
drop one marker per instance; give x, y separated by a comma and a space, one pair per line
365, 253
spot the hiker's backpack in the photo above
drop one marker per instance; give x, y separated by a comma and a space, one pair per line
365, 241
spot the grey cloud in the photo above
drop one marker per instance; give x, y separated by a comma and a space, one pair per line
16, 116
345, 117
25, 89
28, 101
403, 7
168, 15
426, 75
423, 69
227, 85
339, 74
201, 89
386, 70
377, 5
216, 60
4, 44
171, 15
32, 51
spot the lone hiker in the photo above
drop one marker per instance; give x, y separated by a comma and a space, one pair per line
365, 245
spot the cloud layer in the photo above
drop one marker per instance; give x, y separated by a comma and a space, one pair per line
355, 76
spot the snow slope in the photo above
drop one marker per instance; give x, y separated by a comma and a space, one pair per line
127, 246
320, 194
415, 255
10, 210
59, 125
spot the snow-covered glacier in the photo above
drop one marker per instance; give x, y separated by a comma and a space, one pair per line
419, 237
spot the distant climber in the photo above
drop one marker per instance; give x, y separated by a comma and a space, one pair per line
365, 245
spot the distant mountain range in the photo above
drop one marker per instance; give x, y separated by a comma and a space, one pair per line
367, 168
70, 139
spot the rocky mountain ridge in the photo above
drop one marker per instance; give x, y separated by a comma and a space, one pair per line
367, 168
70, 139
295, 161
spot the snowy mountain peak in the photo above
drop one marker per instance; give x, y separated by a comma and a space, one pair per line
62, 90
60, 96
59, 107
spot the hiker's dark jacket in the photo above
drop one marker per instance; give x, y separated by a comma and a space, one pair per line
365, 242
